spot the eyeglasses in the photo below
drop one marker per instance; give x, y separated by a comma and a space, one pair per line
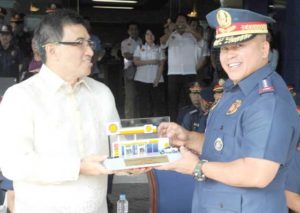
83, 43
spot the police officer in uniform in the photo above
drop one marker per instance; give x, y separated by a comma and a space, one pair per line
195, 98
292, 189
218, 89
250, 133
10, 55
195, 120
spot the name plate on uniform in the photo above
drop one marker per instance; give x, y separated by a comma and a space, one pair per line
134, 143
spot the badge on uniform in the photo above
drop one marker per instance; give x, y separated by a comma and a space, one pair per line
218, 144
234, 107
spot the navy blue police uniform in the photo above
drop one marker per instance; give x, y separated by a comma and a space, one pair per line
293, 178
195, 89
183, 111
195, 120
9, 61
255, 118
10, 58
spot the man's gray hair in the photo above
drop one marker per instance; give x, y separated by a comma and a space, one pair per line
51, 28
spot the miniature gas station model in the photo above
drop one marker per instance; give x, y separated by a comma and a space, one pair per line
136, 144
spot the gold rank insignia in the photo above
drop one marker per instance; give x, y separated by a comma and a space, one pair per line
234, 107
224, 18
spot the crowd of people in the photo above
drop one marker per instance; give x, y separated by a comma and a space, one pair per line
244, 129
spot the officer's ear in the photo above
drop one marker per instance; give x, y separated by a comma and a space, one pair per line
265, 46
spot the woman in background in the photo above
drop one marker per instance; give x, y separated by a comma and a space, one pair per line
149, 59
35, 63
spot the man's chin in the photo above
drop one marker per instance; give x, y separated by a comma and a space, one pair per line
87, 72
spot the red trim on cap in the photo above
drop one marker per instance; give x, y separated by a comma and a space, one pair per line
241, 26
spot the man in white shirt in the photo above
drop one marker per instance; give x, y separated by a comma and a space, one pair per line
52, 125
128, 47
181, 41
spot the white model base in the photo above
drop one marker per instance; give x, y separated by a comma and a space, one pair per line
140, 162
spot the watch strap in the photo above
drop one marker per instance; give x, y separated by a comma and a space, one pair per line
198, 173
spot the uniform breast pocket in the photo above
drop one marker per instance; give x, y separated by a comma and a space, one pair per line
222, 202
220, 146
231, 147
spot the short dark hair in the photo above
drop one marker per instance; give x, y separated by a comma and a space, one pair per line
144, 35
51, 27
132, 23
183, 15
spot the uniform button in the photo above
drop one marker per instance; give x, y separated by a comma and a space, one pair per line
221, 205
221, 127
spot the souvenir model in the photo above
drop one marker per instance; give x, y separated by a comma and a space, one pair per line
134, 143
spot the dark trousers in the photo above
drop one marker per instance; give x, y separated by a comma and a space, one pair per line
150, 99
178, 90
130, 105
110, 183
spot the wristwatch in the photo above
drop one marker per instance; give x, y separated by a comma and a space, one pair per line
198, 173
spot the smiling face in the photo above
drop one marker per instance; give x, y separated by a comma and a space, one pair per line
71, 62
243, 59
181, 23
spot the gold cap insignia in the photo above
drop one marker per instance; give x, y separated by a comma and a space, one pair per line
234, 107
224, 18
